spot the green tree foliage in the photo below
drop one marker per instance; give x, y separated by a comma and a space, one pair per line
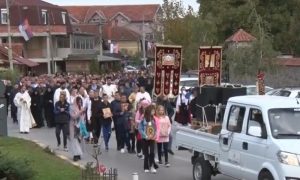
282, 18
94, 67
184, 27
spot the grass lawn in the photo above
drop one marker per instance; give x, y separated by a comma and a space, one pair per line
46, 166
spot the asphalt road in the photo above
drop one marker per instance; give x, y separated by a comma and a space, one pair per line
181, 168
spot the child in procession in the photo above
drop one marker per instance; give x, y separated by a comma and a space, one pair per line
163, 131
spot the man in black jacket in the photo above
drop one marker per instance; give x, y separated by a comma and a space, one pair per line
106, 119
62, 118
96, 115
13, 107
117, 111
8, 91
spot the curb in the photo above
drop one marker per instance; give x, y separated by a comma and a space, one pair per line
58, 155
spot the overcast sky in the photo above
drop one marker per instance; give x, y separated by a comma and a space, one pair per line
193, 3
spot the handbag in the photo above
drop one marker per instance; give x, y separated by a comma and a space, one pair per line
83, 131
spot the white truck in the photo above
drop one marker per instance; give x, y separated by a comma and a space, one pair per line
259, 140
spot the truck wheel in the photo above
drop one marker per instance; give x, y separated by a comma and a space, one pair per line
265, 175
201, 169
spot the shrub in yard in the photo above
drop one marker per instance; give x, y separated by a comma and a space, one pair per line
14, 169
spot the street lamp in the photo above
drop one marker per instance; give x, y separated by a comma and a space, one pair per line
11, 66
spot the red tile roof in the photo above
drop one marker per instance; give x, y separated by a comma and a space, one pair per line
17, 58
115, 33
134, 12
30, 3
289, 61
241, 36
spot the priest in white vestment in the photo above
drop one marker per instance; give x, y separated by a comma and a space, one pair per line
23, 101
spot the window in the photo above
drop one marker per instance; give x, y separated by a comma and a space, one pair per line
63, 16
63, 42
4, 16
255, 120
82, 42
44, 16
235, 119
87, 44
92, 44
150, 36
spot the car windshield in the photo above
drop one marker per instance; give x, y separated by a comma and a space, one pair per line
189, 83
285, 123
284, 93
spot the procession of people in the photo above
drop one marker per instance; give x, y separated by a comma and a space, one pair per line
86, 109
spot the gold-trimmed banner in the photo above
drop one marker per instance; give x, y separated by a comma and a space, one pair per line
210, 65
168, 61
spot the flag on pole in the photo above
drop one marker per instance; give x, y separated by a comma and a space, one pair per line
25, 30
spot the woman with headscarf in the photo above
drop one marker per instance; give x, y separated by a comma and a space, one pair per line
77, 116
48, 103
182, 115
35, 107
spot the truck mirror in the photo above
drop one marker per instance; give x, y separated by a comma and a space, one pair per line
255, 130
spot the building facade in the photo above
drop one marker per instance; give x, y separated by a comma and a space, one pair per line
48, 24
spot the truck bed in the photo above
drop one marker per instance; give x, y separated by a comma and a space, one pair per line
197, 140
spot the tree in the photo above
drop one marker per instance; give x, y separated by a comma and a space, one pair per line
259, 55
282, 17
184, 27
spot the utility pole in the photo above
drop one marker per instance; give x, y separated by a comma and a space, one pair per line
11, 66
144, 45
100, 41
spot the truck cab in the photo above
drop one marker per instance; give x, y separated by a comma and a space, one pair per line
259, 140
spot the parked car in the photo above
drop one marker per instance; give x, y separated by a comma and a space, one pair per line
130, 69
286, 92
252, 89
188, 82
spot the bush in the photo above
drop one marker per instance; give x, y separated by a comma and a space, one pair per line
14, 169
11, 75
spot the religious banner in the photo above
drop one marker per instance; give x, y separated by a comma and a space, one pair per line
210, 65
168, 61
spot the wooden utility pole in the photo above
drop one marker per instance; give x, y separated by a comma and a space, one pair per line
11, 66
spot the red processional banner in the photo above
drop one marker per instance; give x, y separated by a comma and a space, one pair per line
168, 61
210, 65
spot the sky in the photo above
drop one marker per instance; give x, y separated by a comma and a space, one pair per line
193, 3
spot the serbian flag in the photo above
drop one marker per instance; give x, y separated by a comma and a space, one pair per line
25, 30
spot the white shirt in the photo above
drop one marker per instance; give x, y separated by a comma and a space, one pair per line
110, 90
181, 99
57, 93
144, 95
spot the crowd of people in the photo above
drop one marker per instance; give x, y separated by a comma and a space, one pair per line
84, 107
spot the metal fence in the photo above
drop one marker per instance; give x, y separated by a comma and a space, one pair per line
111, 174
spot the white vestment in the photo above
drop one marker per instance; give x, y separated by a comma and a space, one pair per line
25, 118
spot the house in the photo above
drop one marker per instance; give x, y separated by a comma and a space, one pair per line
19, 62
85, 48
123, 25
49, 27
240, 39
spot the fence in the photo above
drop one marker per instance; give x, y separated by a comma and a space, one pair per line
111, 174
